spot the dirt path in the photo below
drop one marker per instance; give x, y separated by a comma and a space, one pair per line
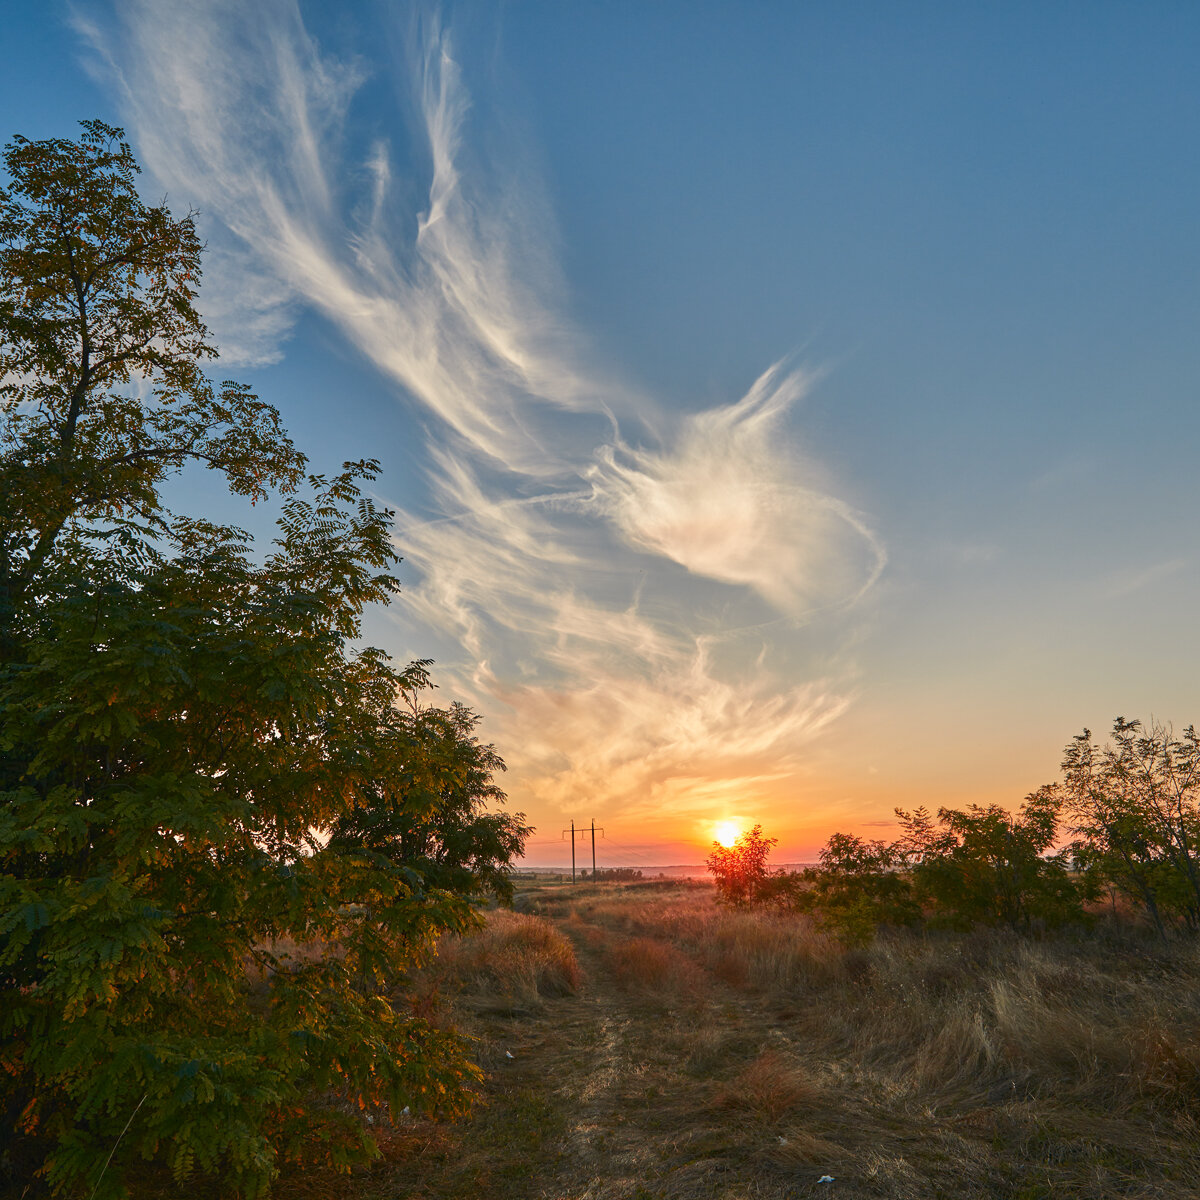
658, 1080
612, 1094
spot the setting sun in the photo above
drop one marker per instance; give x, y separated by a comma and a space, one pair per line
727, 832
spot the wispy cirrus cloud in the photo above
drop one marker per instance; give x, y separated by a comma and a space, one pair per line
725, 503
628, 586
1134, 579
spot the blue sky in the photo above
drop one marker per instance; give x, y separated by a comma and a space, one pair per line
790, 409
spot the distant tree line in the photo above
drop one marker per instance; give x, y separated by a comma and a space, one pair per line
1124, 822
613, 875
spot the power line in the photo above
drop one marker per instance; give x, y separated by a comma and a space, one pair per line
586, 831
627, 850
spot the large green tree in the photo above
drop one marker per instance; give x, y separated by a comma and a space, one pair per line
467, 845
195, 763
101, 369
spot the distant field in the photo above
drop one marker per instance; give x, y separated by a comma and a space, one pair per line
639, 1043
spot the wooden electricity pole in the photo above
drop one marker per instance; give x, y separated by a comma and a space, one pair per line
582, 833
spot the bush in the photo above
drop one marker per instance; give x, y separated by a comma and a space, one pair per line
858, 886
978, 866
515, 958
740, 871
986, 866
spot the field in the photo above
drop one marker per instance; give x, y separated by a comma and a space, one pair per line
638, 1043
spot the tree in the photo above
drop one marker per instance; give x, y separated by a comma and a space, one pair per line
740, 871
858, 886
988, 866
101, 378
191, 754
466, 848
1135, 805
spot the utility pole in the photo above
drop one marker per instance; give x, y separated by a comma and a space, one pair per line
582, 832
572, 832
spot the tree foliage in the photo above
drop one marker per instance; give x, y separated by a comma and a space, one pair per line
987, 866
195, 764
101, 378
1135, 804
740, 871
858, 886
433, 814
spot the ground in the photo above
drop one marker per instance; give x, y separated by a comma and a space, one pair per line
690, 1058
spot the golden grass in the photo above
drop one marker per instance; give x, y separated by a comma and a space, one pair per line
657, 967
710, 1055
514, 962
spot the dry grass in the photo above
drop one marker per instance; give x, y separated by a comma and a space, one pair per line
656, 967
513, 963
746, 949
770, 1087
709, 1055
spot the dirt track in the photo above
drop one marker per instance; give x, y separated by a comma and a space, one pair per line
662, 1080
610, 1095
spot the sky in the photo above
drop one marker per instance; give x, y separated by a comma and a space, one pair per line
789, 410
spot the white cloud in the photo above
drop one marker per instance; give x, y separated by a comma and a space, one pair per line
627, 612
726, 502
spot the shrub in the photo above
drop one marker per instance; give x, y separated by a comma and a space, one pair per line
858, 886
740, 870
515, 959
986, 866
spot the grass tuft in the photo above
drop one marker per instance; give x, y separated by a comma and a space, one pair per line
656, 966
770, 1087
515, 962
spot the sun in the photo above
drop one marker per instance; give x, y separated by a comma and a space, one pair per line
727, 832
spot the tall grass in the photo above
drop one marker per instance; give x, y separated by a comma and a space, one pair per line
515, 961
1076, 1019
745, 948
658, 968
716, 1055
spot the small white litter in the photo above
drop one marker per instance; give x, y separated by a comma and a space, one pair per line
404, 1111
783, 1141
507, 1054
825, 1179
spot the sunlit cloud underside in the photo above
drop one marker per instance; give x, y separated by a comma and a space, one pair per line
651, 607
